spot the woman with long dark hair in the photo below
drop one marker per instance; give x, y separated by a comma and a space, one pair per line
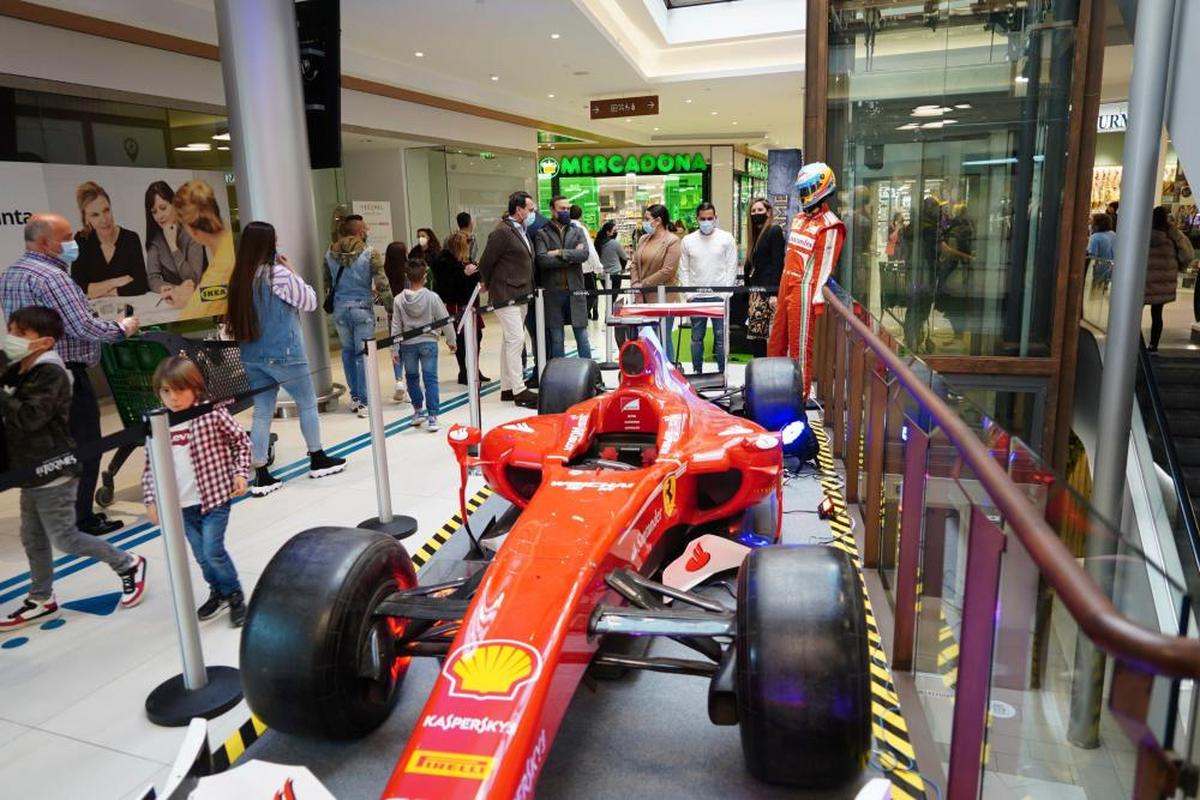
765, 252
173, 258
265, 300
394, 259
428, 247
456, 276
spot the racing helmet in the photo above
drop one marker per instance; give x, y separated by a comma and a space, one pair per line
814, 183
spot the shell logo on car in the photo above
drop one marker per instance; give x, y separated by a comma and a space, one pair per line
493, 669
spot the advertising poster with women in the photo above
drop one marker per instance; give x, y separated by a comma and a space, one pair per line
158, 240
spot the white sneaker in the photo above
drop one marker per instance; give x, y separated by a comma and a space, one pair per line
355, 406
418, 419
431, 424
363, 411
400, 395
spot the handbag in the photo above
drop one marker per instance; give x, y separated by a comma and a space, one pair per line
759, 316
328, 305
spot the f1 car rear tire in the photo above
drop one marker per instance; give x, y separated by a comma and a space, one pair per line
774, 392
565, 382
310, 632
803, 674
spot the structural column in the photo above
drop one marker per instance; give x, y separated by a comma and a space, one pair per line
260, 65
1147, 94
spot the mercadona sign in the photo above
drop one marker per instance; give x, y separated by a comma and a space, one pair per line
592, 164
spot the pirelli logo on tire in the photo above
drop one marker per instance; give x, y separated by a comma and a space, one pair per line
449, 765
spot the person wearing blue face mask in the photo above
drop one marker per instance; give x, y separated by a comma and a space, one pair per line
41, 277
708, 258
656, 260
561, 249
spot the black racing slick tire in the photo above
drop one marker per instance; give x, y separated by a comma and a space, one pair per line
315, 661
565, 382
803, 674
774, 392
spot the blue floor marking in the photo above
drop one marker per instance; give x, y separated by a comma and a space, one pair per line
293, 470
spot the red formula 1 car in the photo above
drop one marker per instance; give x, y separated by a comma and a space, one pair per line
607, 491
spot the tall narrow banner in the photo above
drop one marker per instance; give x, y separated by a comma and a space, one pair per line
782, 167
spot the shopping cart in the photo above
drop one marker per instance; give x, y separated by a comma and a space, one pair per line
129, 367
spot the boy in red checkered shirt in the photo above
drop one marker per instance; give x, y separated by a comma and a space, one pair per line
212, 466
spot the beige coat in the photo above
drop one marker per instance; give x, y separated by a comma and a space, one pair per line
1170, 254
656, 261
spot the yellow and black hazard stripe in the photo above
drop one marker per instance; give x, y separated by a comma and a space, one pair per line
249, 731
947, 652
894, 754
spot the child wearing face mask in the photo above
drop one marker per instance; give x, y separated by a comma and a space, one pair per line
211, 454
35, 401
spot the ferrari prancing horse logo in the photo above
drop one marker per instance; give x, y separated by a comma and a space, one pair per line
668, 494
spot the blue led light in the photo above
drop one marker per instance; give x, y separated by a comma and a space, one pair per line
791, 432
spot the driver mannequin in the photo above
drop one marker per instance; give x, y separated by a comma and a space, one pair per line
814, 243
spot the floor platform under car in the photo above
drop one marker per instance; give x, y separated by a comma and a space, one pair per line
646, 735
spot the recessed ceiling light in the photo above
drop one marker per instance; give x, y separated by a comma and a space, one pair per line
221, 137
551, 95
656, 129
713, 113
419, 54
222, 147
495, 77
735, 122
629, 119
554, 36
962, 105
1021, 79
911, 126
688, 100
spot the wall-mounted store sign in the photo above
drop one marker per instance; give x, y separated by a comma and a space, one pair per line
593, 164
1112, 117
756, 168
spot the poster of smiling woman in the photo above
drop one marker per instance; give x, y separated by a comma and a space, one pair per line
158, 240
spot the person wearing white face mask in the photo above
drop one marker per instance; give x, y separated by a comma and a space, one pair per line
708, 258
41, 278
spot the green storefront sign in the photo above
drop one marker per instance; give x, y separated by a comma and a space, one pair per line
595, 164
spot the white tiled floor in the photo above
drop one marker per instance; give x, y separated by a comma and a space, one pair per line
72, 722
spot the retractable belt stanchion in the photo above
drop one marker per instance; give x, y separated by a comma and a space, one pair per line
663, 332
471, 359
609, 333
198, 691
398, 526
539, 326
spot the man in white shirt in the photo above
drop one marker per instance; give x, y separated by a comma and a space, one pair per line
708, 258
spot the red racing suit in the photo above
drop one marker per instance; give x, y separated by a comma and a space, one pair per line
814, 243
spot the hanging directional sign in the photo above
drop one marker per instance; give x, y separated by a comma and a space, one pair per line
625, 107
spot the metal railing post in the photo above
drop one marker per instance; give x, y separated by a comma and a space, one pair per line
876, 445
539, 328
976, 650
199, 691
663, 334
471, 359
854, 425
386, 522
912, 518
609, 332
839, 390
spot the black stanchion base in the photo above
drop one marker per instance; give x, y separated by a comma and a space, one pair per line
172, 705
401, 527
609, 365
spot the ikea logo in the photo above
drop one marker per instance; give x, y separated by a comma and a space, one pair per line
211, 293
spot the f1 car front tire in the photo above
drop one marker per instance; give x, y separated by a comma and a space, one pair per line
315, 661
565, 382
774, 392
803, 674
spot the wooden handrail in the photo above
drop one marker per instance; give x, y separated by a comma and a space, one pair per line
1093, 611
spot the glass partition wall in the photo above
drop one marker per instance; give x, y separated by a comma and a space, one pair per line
947, 128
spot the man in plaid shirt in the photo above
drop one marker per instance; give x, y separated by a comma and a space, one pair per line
41, 278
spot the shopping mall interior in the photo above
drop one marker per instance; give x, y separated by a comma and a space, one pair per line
869, 471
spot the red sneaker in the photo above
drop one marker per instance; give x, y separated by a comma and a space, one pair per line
133, 583
31, 612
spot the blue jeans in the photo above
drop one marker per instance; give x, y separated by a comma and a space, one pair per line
558, 335
420, 364
206, 535
297, 381
699, 328
354, 324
